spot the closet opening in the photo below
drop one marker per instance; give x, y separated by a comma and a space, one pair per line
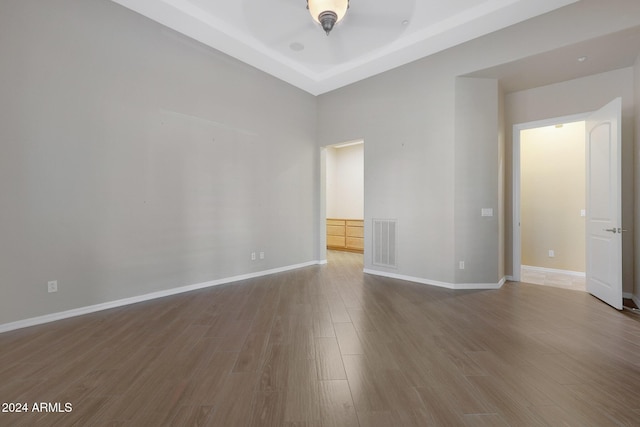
343, 195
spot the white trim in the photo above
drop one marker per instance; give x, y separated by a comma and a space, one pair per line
348, 143
510, 279
447, 285
554, 271
515, 200
146, 297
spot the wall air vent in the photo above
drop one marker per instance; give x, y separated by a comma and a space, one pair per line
384, 242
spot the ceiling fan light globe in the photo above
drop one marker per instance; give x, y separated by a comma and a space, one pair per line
317, 7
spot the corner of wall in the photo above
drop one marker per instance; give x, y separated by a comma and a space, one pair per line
478, 181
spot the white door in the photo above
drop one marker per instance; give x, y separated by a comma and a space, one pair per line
604, 220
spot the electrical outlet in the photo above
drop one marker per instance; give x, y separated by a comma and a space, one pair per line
461, 265
551, 253
52, 286
253, 256
261, 255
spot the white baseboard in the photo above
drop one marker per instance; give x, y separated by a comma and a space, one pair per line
435, 282
553, 270
503, 281
146, 297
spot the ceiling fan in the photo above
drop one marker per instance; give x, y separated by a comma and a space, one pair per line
355, 27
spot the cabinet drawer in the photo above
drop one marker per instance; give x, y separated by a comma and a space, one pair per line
355, 243
355, 231
336, 241
335, 230
355, 222
335, 222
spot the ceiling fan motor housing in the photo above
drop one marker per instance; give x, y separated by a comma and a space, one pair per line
328, 19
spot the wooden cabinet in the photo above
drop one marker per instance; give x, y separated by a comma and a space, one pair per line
345, 234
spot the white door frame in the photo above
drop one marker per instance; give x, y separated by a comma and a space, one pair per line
517, 128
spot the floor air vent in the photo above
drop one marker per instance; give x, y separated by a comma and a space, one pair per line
384, 242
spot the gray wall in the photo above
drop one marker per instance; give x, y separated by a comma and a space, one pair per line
134, 160
477, 180
574, 97
407, 117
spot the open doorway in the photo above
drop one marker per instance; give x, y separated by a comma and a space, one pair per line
549, 203
343, 197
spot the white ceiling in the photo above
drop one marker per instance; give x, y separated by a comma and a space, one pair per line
593, 56
280, 38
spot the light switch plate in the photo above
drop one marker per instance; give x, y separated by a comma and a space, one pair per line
487, 212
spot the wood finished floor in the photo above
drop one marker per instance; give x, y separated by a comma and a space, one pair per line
330, 346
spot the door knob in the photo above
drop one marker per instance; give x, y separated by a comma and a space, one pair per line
620, 230
613, 230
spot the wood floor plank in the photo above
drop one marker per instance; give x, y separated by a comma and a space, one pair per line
441, 410
361, 321
328, 359
367, 396
485, 420
302, 343
511, 408
375, 418
617, 411
235, 335
192, 416
268, 409
275, 369
203, 388
556, 416
337, 308
348, 339
458, 356
323, 325
521, 381
252, 352
336, 404
233, 402
302, 402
